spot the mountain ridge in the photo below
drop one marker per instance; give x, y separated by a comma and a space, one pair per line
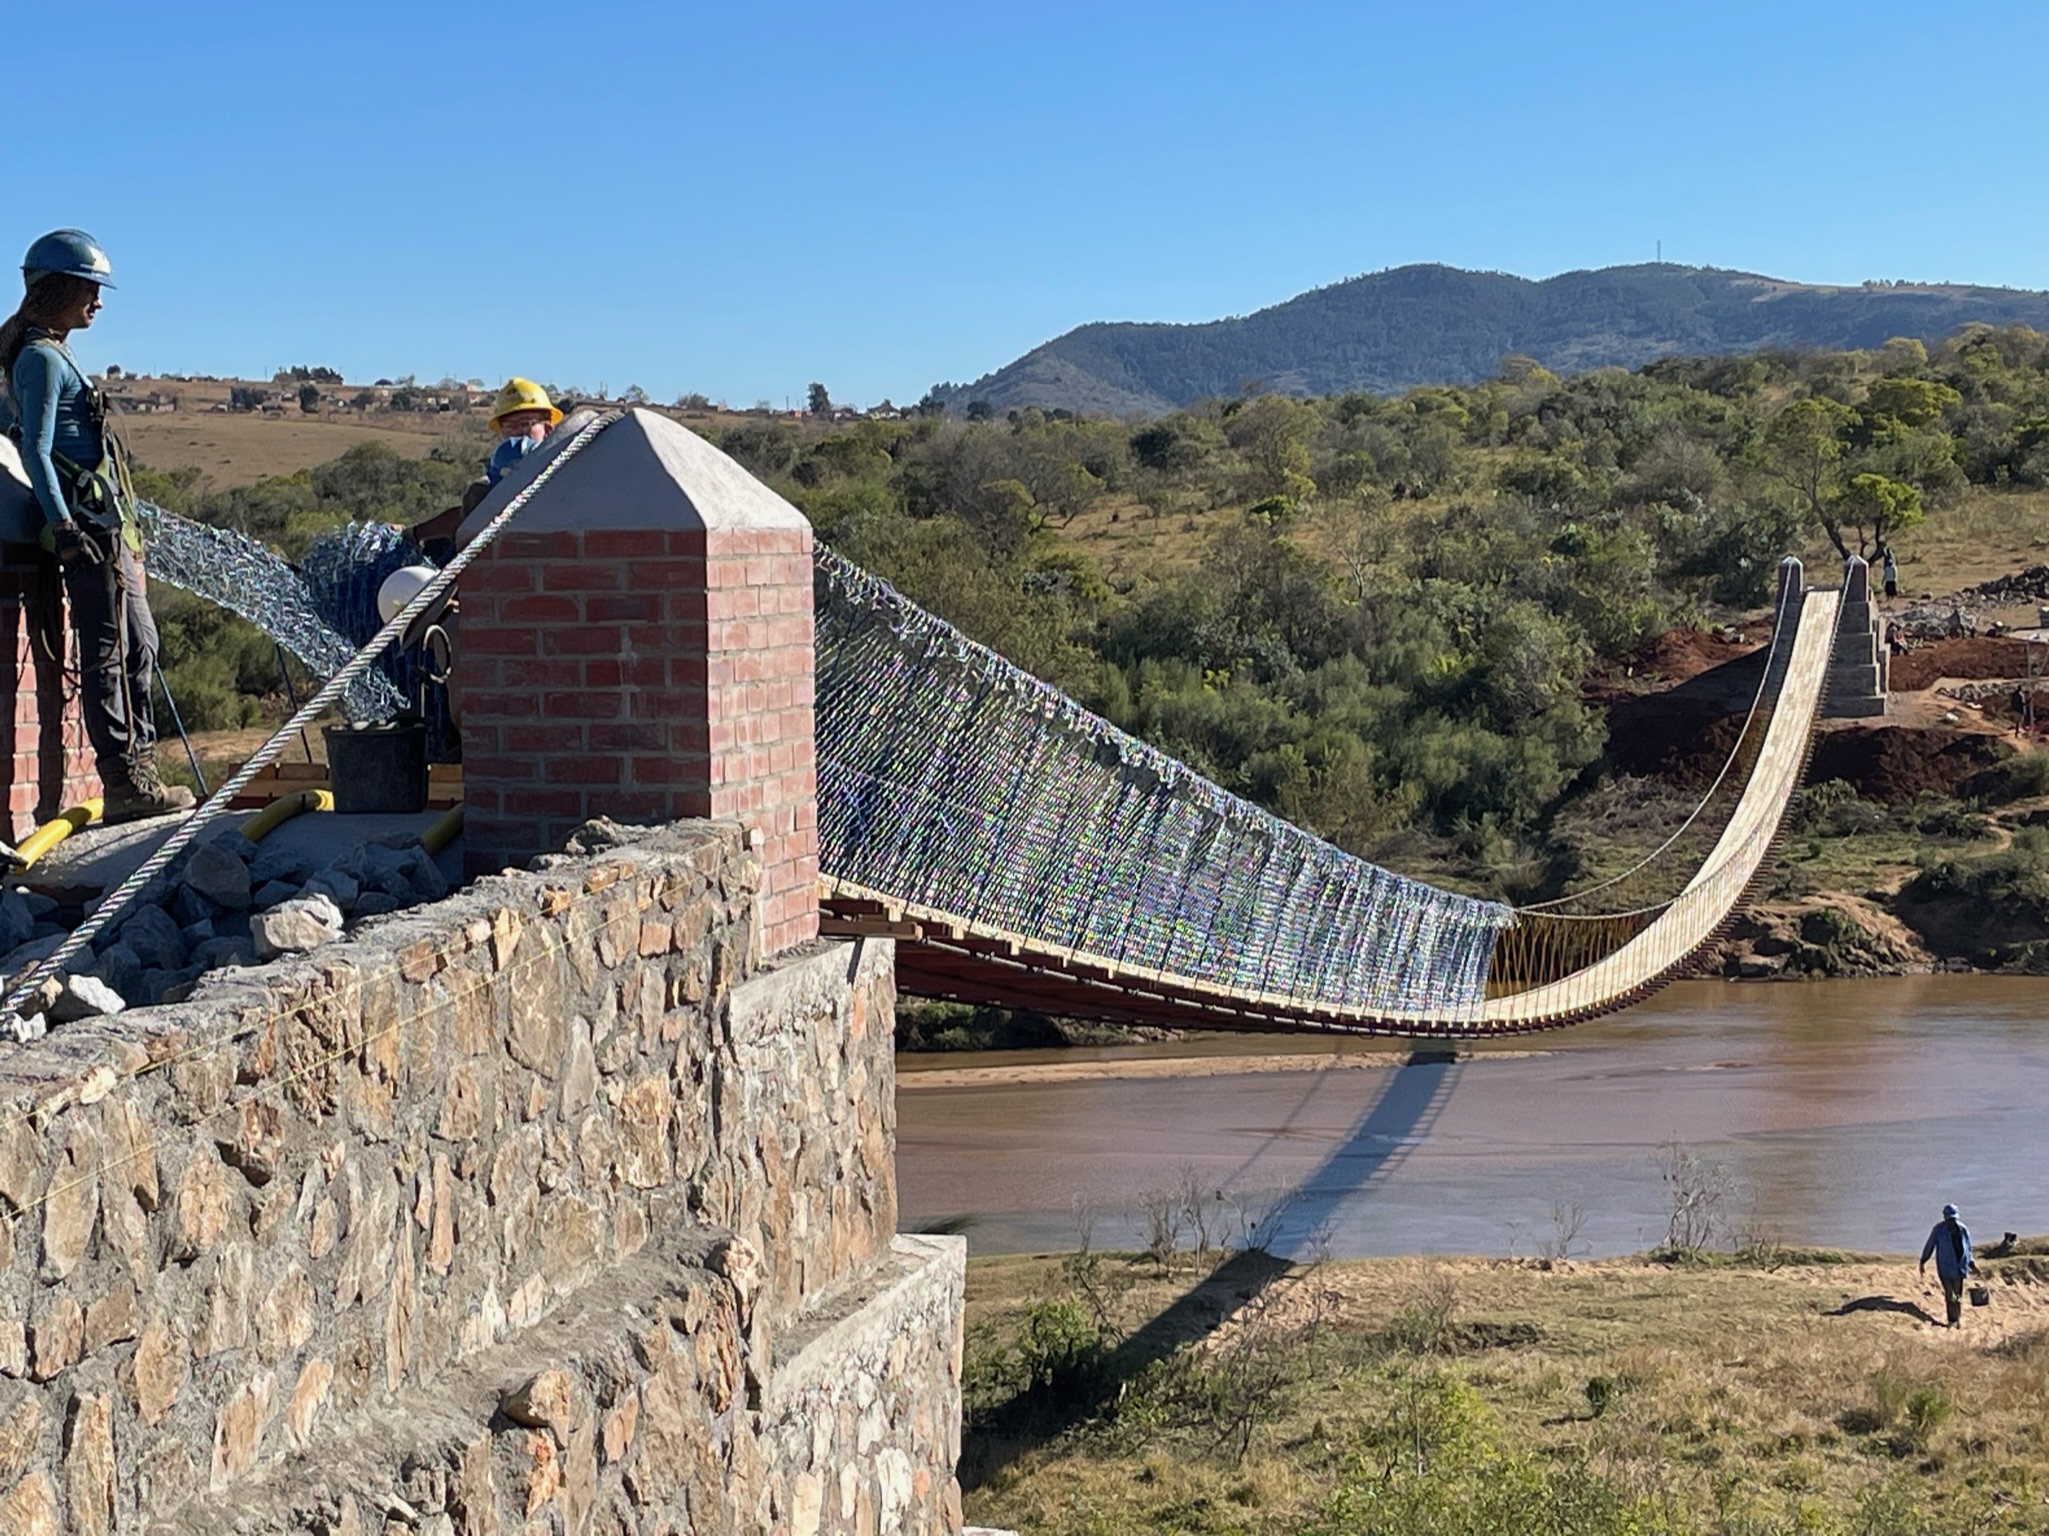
1434, 324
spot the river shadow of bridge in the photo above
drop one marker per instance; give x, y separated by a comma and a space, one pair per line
1291, 1231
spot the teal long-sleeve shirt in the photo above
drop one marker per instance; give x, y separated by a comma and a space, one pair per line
50, 401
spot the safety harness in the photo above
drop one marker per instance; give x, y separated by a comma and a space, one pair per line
101, 496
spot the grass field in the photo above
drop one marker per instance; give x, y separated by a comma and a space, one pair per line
236, 448
1984, 534
1779, 1392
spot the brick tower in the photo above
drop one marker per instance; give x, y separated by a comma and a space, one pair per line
638, 645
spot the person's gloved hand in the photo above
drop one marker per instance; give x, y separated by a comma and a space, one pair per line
64, 541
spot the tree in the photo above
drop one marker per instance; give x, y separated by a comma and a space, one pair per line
764, 448
1903, 354
1361, 535
1166, 447
1909, 402
309, 398
1803, 450
1004, 515
819, 403
1878, 507
1272, 432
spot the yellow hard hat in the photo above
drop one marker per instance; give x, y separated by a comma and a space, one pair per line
523, 395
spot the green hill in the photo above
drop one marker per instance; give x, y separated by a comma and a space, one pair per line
1439, 325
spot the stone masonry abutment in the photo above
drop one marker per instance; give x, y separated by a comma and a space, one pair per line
562, 1207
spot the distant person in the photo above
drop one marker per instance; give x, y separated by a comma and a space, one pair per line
79, 473
1950, 1243
1890, 569
522, 416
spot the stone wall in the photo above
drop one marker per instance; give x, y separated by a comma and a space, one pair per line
878, 1371
548, 1208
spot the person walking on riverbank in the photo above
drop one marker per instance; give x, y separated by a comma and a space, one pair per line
1950, 1242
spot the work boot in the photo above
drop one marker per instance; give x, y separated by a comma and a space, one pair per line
134, 790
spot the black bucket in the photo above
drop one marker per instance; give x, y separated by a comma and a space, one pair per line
378, 769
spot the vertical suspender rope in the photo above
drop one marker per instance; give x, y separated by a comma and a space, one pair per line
117, 900
284, 673
178, 720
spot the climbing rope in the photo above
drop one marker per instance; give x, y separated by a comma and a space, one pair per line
117, 900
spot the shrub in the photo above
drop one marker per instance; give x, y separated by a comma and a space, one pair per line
1429, 1324
1937, 817
1698, 1189
1600, 1392
1062, 1350
1834, 809
1996, 901
2024, 776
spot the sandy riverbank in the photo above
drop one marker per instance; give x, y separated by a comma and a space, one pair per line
913, 1077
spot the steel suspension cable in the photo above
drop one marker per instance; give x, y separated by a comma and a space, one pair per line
117, 900
1735, 752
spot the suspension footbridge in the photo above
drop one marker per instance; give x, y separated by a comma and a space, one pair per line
1024, 851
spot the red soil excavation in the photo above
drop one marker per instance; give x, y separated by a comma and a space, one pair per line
1684, 732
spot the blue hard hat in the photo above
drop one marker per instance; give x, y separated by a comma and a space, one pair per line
1949, 1212
72, 252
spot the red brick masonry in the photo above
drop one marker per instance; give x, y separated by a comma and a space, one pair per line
646, 675
49, 768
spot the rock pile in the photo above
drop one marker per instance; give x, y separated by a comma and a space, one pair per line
1968, 612
2031, 585
228, 902
1839, 935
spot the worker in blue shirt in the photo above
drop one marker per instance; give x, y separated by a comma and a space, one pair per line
79, 474
1950, 1243
522, 416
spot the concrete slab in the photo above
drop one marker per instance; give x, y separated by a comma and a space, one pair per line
88, 864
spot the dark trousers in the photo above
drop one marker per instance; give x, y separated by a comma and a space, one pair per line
117, 650
1953, 1297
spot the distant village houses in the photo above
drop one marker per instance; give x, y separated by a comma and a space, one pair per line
156, 402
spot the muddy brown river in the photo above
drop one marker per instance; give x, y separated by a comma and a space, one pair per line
1836, 1113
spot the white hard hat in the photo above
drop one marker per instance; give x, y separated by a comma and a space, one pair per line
400, 588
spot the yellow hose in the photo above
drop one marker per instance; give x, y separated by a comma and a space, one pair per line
39, 842
442, 833
278, 812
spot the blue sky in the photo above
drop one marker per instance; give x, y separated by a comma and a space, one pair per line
740, 199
